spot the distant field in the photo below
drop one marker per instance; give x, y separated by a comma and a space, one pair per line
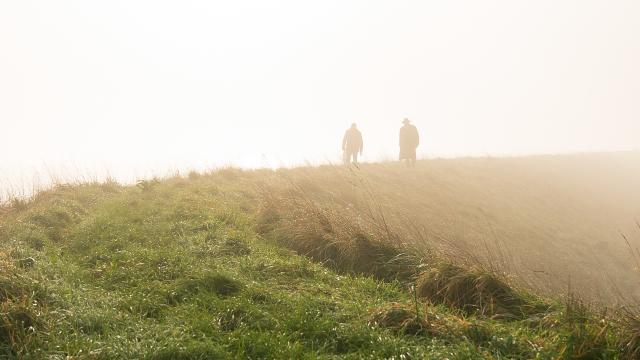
553, 222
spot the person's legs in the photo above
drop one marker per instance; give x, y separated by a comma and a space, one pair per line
350, 157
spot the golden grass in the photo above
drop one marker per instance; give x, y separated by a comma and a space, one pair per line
328, 236
474, 292
542, 222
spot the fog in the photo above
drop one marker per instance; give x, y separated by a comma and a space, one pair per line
139, 87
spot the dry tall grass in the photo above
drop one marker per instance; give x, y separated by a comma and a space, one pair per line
543, 222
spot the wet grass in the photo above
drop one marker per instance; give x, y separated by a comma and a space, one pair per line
476, 292
207, 268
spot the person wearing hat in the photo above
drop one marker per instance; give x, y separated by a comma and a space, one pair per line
352, 144
409, 141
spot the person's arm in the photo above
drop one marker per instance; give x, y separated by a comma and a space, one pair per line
344, 141
417, 138
361, 144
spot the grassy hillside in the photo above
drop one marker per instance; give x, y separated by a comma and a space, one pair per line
547, 220
305, 263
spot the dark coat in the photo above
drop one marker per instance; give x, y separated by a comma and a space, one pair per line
409, 141
352, 141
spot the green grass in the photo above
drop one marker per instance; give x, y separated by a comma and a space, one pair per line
207, 268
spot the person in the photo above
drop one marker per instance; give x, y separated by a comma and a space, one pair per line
409, 141
352, 144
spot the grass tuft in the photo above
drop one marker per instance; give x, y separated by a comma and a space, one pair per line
18, 205
233, 247
400, 319
473, 292
17, 319
334, 240
630, 339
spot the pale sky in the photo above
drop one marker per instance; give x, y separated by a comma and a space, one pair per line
134, 86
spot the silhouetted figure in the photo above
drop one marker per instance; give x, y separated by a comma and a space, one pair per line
352, 144
409, 141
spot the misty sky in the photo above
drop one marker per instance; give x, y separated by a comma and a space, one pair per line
132, 86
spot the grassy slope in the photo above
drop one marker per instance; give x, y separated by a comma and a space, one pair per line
176, 270
548, 220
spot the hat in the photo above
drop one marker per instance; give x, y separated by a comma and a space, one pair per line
405, 121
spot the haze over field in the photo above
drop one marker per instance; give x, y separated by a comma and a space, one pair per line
322, 262
141, 86
220, 179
